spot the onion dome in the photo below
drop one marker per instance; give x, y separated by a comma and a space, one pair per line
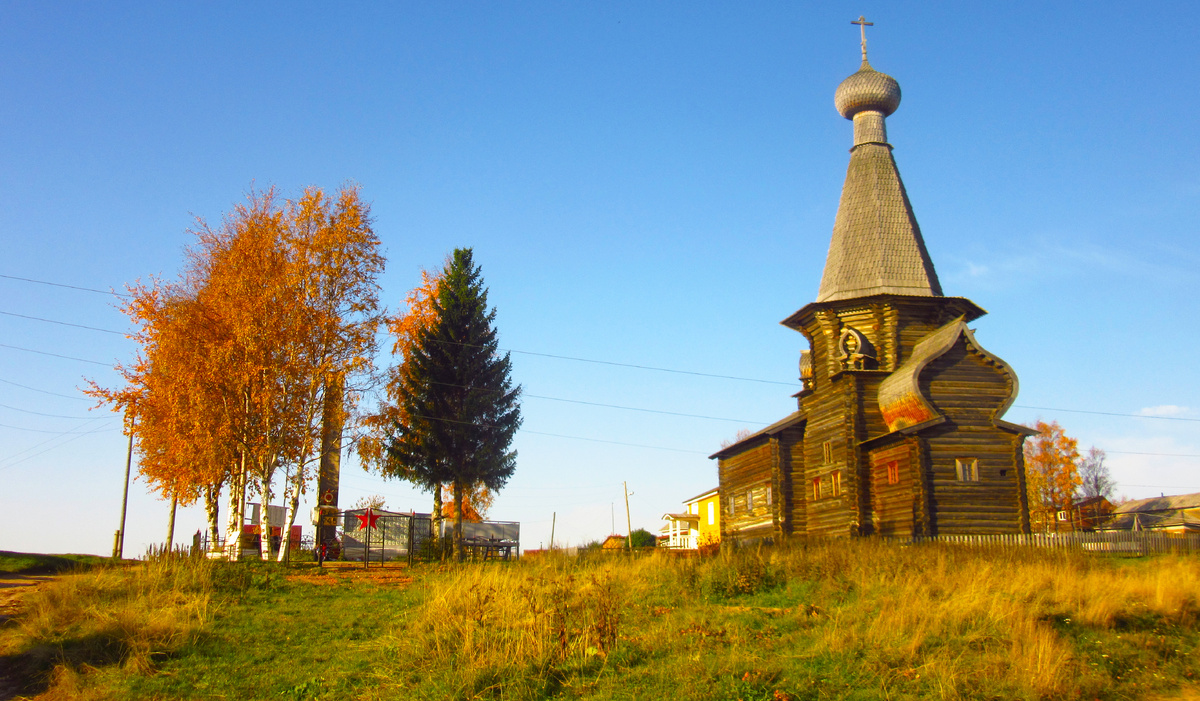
868, 89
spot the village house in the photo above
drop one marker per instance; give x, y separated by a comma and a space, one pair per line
1174, 514
898, 428
698, 525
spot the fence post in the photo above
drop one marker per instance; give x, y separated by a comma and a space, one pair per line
411, 514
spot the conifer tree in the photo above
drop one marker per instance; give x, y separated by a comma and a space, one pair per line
459, 406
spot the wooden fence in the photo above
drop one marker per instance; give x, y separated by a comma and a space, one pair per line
1117, 542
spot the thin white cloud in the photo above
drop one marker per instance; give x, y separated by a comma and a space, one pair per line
1163, 410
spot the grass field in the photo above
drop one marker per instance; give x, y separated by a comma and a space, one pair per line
845, 620
26, 563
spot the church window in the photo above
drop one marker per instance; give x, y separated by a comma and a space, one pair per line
827, 447
816, 487
768, 495
836, 479
967, 469
732, 510
893, 472
749, 500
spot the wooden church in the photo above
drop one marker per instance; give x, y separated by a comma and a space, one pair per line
898, 429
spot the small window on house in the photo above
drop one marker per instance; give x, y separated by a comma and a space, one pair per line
893, 472
749, 500
1063, 516
712, 513
827, 447
816, 488
836, 478
967, 469
1004, 473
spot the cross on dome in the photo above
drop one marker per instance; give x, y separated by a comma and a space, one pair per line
862, 30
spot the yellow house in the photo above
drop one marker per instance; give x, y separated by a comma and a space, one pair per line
698, 525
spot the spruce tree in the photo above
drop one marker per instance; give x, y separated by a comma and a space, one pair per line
459, 401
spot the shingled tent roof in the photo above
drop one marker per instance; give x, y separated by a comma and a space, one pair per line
876, 246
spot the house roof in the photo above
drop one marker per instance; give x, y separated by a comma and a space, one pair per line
1181, 519
786, 422
702, 495
1158, 504
681, 517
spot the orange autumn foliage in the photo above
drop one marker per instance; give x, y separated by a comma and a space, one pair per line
476, 502
419, 314
1051, 474
234, 359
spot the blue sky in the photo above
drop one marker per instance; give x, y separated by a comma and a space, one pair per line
643, 183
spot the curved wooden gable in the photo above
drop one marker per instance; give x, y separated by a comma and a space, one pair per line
903, 401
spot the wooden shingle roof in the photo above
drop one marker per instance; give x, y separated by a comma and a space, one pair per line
876, 246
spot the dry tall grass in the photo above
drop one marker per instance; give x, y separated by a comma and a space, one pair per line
927, 622
120, 616
831, 620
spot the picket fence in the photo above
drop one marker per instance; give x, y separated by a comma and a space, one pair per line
1117, 542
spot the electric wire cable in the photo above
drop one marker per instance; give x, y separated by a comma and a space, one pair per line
59, 284
62, 323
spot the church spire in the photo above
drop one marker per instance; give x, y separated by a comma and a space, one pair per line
876, 246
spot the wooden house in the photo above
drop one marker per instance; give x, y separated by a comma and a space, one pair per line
898, 428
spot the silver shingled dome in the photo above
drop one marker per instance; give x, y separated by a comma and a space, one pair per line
868, 89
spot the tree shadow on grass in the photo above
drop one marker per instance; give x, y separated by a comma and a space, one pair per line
31, 672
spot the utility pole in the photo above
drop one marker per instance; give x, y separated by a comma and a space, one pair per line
553, 519
628, 523
119, 546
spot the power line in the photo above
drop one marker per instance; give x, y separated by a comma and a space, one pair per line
38, 430
62, 323
624, 365
77, 436
43, 391
59, 284
651, 367
648, 411
55, 355
1106, 413
631, 445
1161, 455
38, 413
58, 434
560, 435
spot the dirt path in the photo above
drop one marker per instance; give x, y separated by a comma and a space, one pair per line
13, 589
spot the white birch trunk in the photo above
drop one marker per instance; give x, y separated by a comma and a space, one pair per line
212, 506
237, 505
264, 518
293, 505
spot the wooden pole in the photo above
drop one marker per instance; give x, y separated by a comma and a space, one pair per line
119, 550
411, 515
553, 519
171, 524
628, 522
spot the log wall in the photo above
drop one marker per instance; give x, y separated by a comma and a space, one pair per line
967, 388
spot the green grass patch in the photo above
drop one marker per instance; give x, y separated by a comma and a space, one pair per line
33, 563
847, 620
